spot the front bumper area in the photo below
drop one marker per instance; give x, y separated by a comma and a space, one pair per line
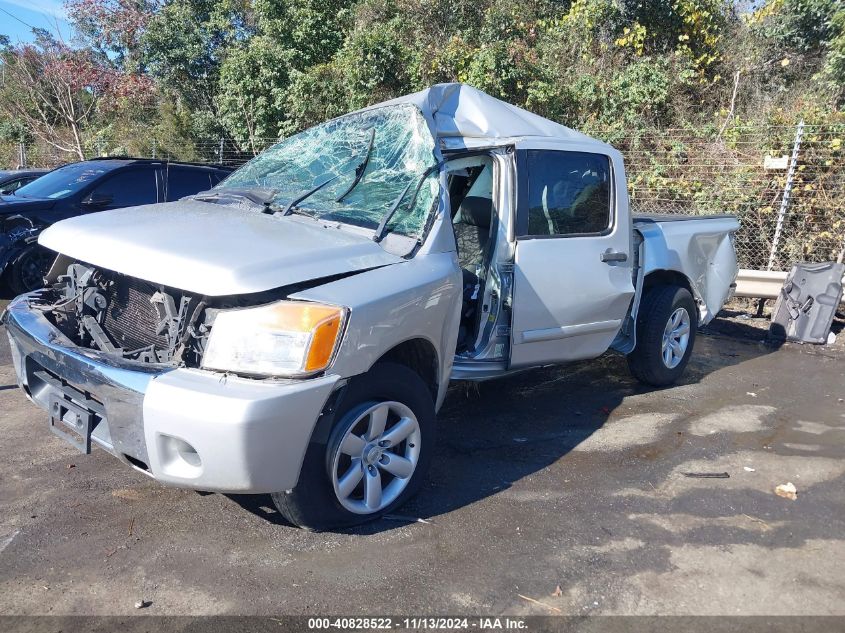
186, 427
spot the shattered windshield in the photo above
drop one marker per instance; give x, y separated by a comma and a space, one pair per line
365, 161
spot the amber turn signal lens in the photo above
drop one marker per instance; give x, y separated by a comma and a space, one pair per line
324, 339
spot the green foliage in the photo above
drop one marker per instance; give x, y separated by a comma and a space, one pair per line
374, 63
832, 72
314, 96
253, 82
312, 30
799, 25
13, 131
183, 48
805, 37
251, 70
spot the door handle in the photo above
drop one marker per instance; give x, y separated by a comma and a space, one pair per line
613, 256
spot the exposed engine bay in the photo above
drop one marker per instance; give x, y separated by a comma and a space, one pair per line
132, 318
142, 321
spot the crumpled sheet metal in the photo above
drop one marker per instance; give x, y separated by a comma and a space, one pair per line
460, 115
702, 250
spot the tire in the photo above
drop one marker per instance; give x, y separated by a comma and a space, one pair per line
318, 502
27, 271
648, 361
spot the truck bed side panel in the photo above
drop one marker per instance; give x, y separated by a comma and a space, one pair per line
699, 247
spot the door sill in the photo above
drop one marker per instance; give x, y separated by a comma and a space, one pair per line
465, 369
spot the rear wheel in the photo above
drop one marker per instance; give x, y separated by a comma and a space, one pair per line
376, 455
666, 325
28, 270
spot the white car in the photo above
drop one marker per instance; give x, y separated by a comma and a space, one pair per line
293, 330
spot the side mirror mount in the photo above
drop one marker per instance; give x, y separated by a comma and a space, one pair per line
97, 200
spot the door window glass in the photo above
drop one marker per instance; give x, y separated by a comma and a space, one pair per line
185, 182
128, 189
568, 193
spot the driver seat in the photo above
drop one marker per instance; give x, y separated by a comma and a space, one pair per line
472, 235
472, 231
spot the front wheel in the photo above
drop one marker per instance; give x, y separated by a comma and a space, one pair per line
666, 325
28, 270
376, 456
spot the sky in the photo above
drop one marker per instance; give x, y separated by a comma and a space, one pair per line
45, 14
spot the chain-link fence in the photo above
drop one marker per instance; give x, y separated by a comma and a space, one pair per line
746, 171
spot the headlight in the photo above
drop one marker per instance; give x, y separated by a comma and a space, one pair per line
287, 338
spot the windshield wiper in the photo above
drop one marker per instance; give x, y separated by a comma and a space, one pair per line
381, 231
361, 168
258, 195
293, 203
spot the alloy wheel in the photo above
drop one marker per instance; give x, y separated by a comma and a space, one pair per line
376, 456
675, 338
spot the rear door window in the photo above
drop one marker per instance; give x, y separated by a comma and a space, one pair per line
569, 193
129, 188
183, 182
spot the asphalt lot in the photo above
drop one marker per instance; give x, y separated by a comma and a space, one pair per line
569, 478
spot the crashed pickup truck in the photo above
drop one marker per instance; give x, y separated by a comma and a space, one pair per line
293, 330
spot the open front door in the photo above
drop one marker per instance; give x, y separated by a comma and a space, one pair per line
572, 274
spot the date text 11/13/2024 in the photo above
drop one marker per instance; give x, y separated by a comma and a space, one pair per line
417, 623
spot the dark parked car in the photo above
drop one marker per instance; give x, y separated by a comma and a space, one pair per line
12, 180
85, 187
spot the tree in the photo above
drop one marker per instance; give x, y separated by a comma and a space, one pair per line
253, 82
54, 91
311, 30
184, 46
113, 28
291, 37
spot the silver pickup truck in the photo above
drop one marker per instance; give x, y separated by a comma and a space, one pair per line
293, 331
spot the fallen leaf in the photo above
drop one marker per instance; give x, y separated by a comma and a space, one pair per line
557, 592
787, 491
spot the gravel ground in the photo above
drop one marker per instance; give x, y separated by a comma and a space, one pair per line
565, 486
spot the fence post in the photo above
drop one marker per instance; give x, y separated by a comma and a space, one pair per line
220, 152
22, 154
154, 148
787, 190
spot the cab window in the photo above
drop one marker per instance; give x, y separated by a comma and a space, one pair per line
569, 193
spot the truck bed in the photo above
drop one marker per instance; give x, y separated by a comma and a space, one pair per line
699, 246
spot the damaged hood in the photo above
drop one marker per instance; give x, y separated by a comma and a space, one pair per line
213, 249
